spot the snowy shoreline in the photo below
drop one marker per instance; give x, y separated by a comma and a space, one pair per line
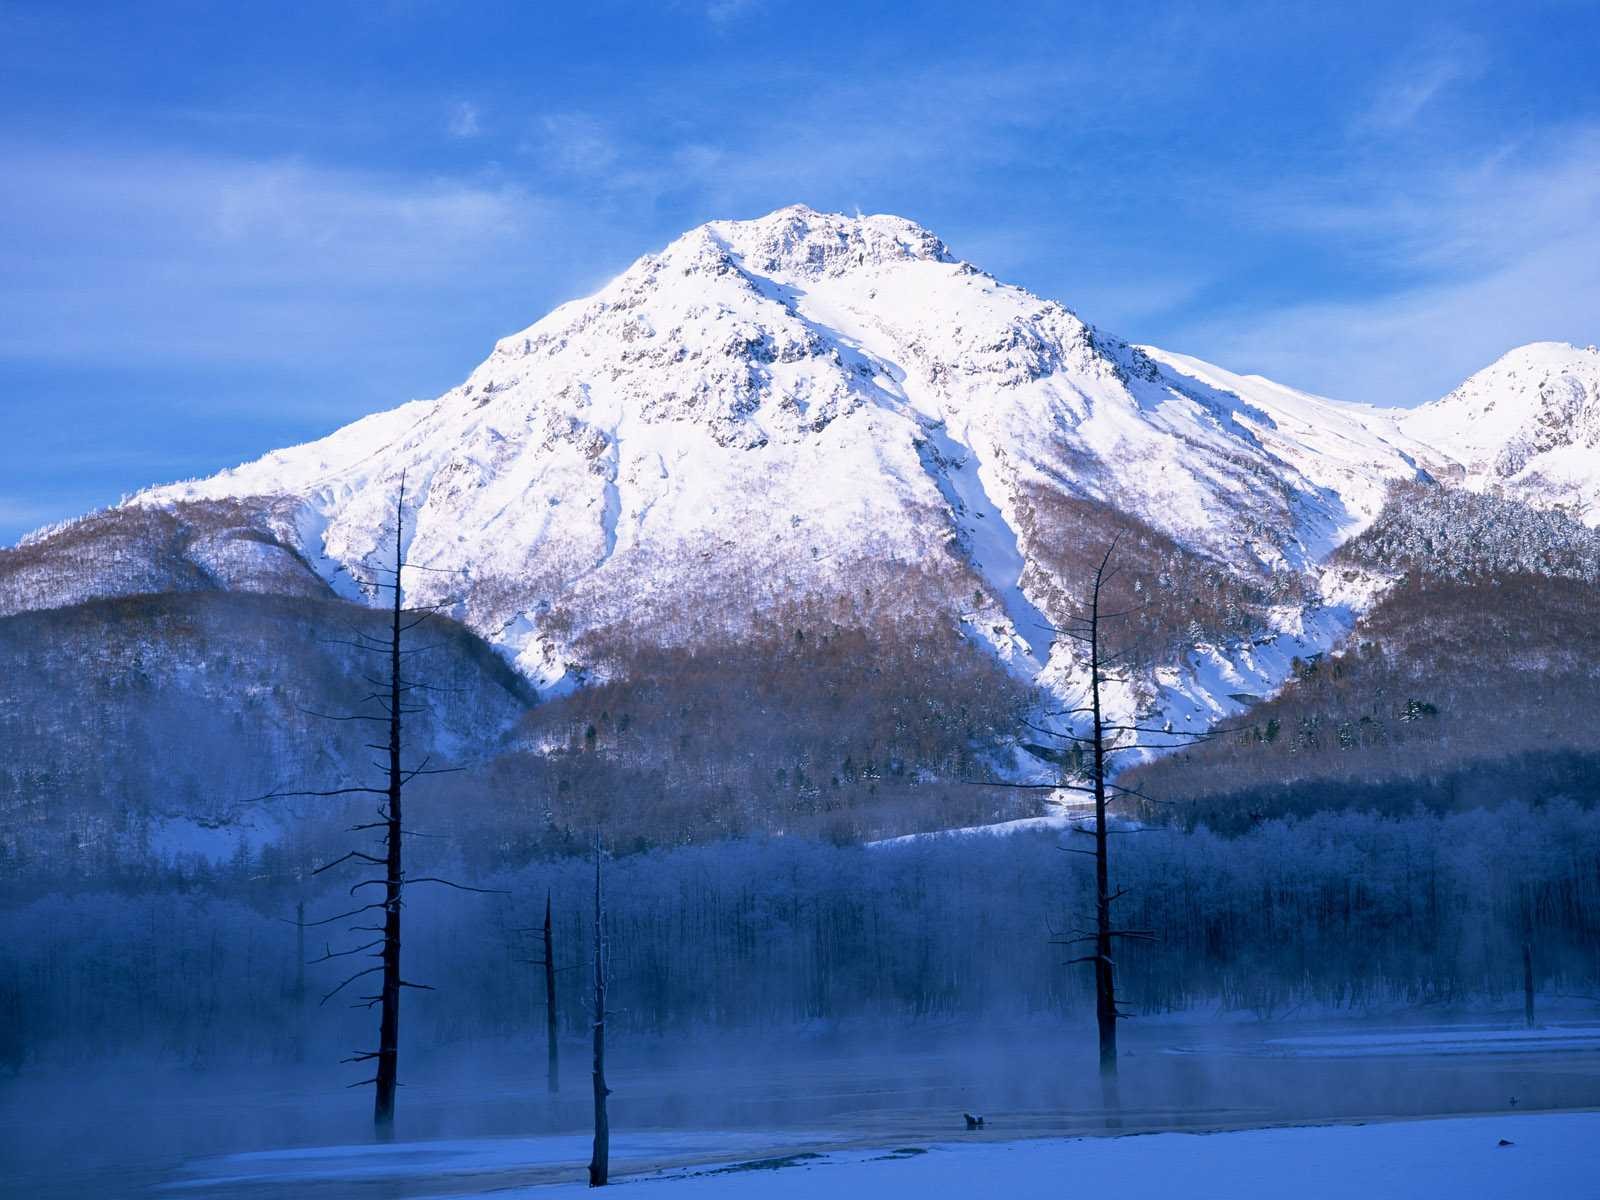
1553, 1153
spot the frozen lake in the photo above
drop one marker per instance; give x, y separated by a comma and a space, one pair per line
475, 1126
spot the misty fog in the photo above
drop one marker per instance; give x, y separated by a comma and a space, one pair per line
838, 993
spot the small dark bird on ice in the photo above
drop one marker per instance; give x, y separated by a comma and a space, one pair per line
972, 1121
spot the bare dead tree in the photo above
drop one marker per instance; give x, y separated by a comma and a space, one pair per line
1528, 1014
300, 951
1089, 743
1527, 985
552, 1044
1097, 745
547, 965
392, 697
300, 981
600, 1162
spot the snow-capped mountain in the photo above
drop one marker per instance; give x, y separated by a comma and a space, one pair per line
788, 405
1528, 426
818, 407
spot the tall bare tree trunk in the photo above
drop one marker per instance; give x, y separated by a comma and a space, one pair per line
385, 947
1105, 987
300, 981
1105, 981
600, 1163
394, 875
1086, 623
300, 952
1105, 738
1527, 983
553, 1061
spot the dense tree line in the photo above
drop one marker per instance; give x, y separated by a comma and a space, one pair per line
814, 727
1448, 533
1340, 911
1444, 679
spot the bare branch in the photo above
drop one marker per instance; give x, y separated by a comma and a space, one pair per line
460, 887
359, 854
310, 712
349, 791
342, 916
329, 953
349, 981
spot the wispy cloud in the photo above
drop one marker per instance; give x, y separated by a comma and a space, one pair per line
920, 128
1417, 82
184, 258
22, 513
1490, 254
573, 143
464, 120
722, 12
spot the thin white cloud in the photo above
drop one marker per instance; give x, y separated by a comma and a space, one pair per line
829, 142
1497, 252
572, 143
1417, 83
23, 513
464, 120
178, 258
721, 12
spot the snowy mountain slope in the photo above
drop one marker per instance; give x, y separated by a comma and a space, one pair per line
1350, 450
1528, 425
805, 405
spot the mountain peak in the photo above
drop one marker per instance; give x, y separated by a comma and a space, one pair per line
1538, 354
800, 241
1528, 423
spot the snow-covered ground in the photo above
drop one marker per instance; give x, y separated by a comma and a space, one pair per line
470, 1163
1544, 1155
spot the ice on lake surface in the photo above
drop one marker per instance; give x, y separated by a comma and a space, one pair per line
838, 1111
1460, 1039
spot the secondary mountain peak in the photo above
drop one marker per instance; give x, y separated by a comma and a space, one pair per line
1528, 425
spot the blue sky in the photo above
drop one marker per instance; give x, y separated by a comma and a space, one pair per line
225, 228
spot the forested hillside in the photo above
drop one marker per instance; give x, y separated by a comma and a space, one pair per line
142, 727
1473, 680
219, 545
